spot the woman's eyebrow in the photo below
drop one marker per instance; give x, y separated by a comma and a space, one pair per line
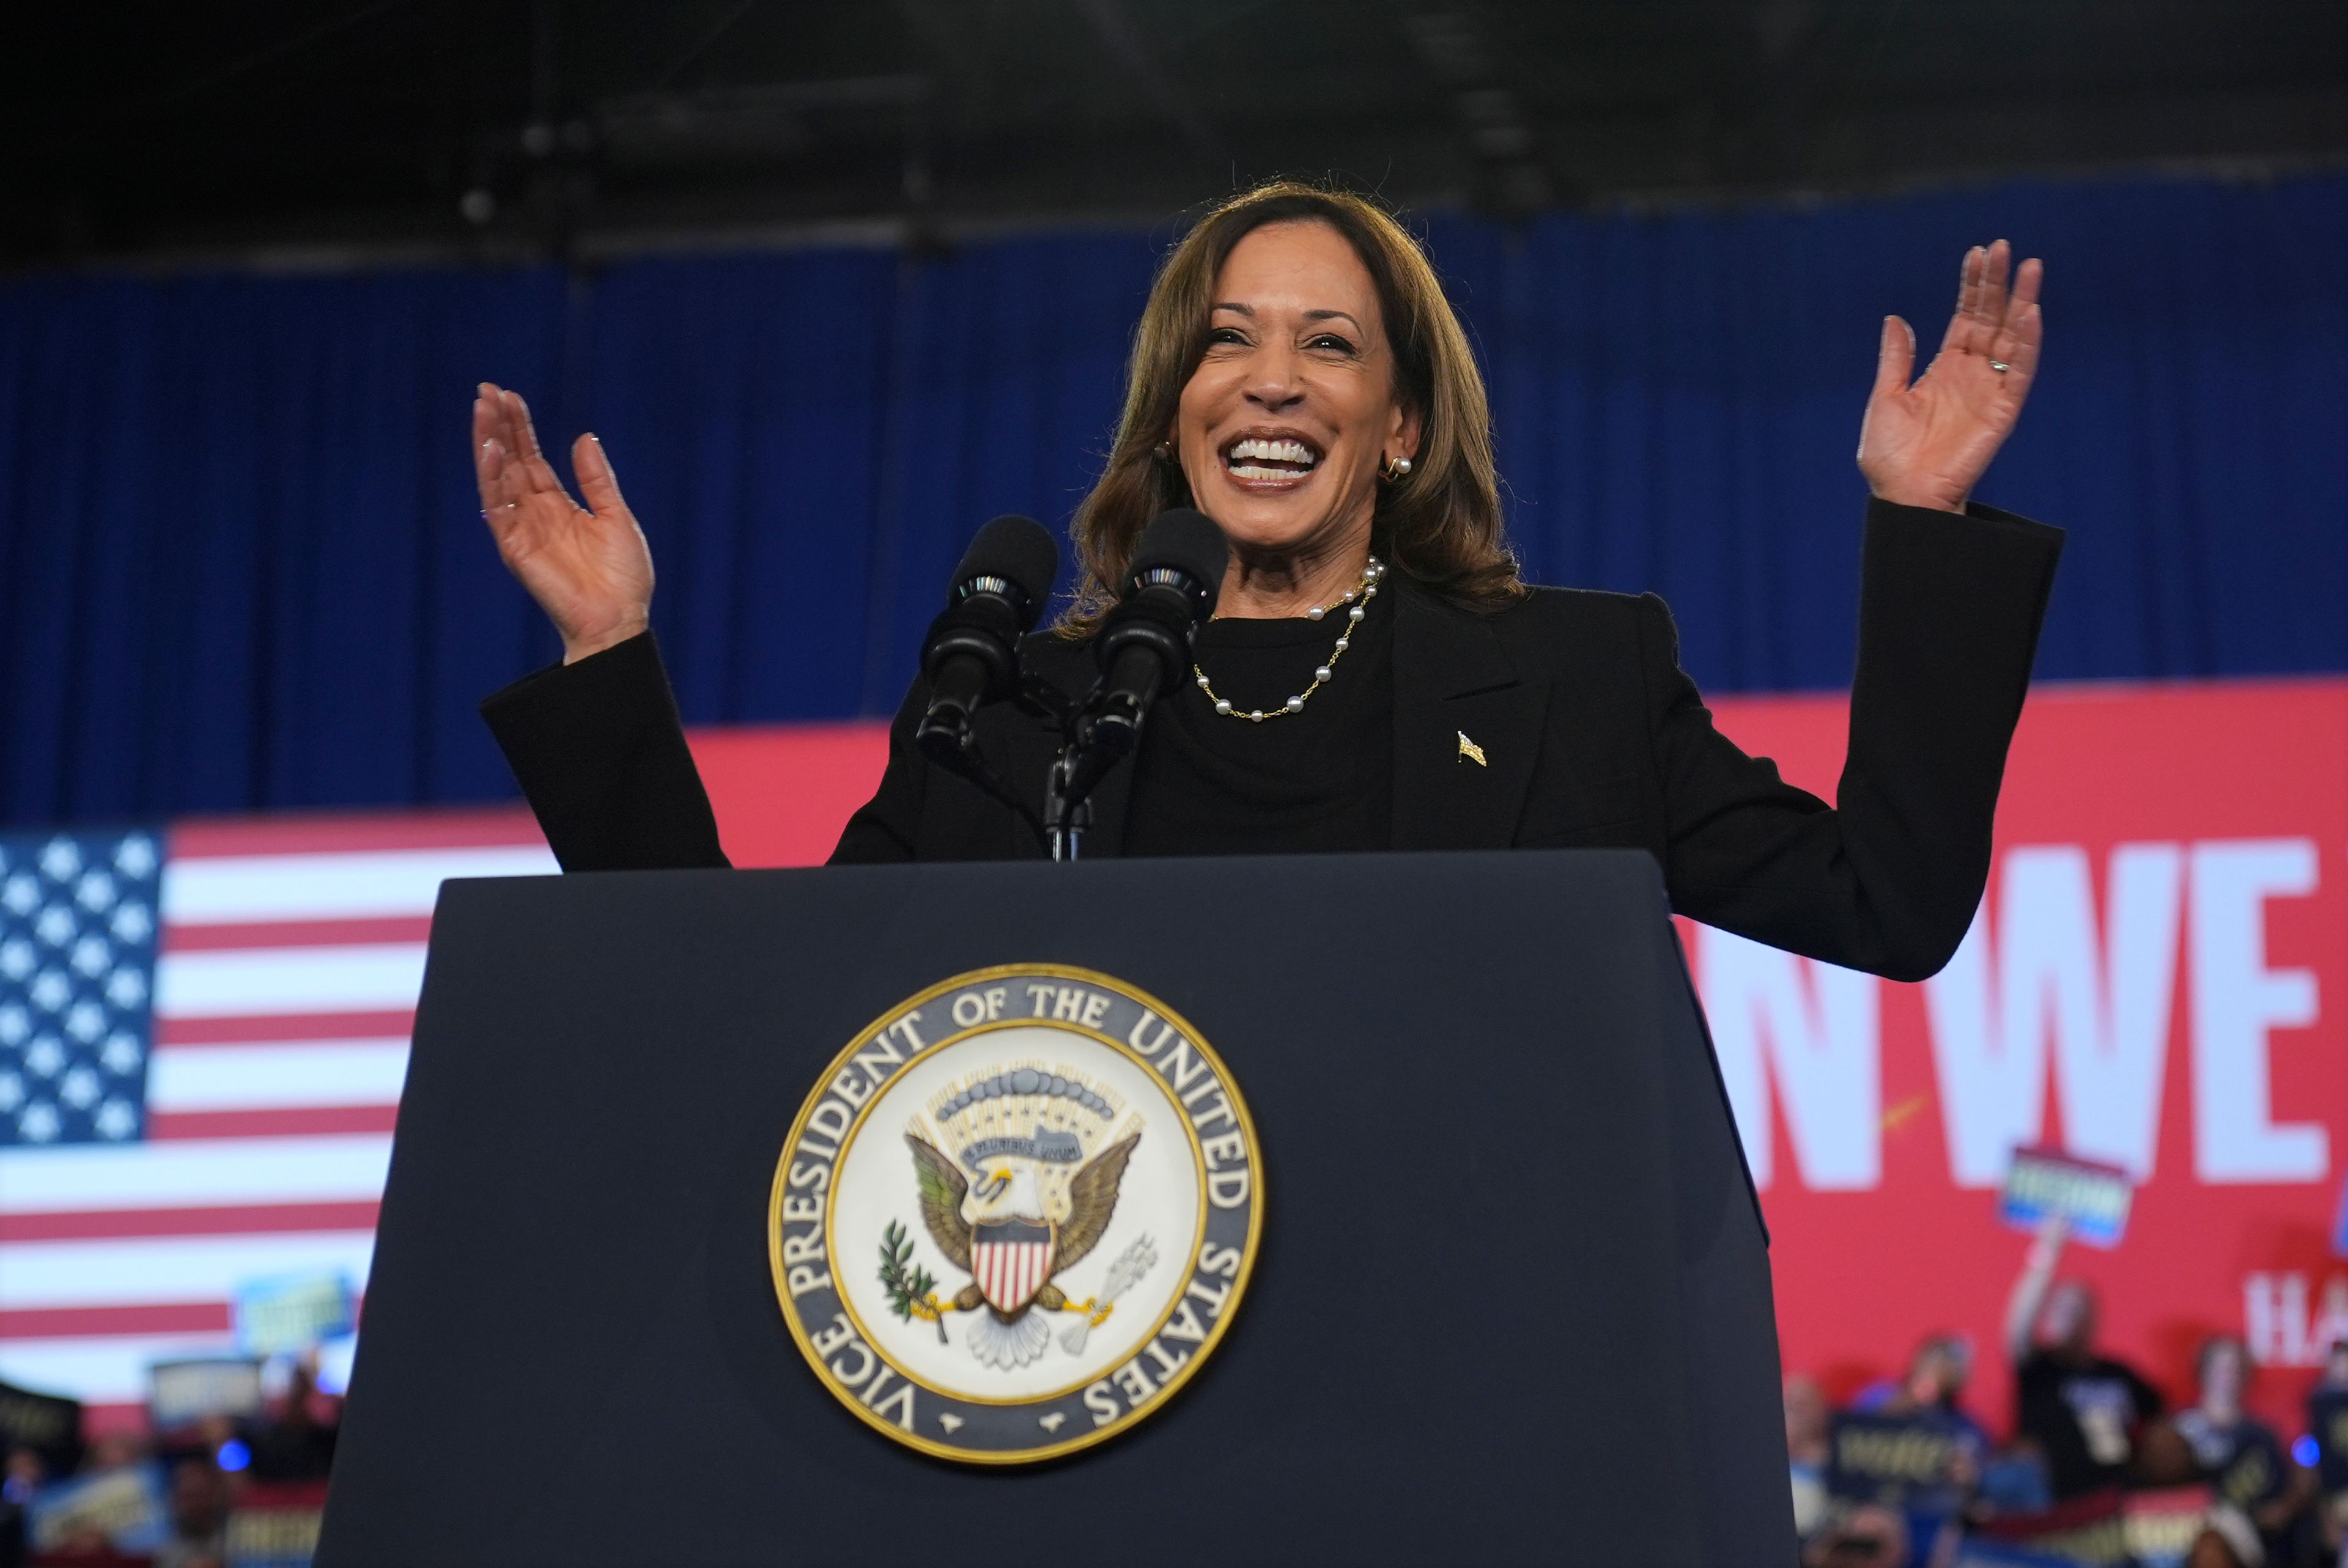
1249, 311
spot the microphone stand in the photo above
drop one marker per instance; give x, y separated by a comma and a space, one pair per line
1067, 813
1089, 751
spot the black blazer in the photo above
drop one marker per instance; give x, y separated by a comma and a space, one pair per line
1592, 737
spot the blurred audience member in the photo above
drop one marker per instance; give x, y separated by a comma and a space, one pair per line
2240, 1455
295, 1446
200, 1500
2164, 1460
1807, 1421
23, 1477
1911, 1453
2082, 1410
2327, 1423
1936, 1379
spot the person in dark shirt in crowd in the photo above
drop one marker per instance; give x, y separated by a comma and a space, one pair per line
296, 1446
2082, 1410
22, 1477
1935, 1382
2327, 1422
200, 1502
2237, 1454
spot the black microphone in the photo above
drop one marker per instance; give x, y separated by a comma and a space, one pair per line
1144, 647
971, 656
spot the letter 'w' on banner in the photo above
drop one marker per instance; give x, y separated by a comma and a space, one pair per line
203, 1034
2046, 967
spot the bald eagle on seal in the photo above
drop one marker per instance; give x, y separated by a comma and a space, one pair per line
1001, 1236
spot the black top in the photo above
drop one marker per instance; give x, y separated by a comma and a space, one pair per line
2327, 1418
2083, 1415
2243, 1458
1589, 736
1319, 779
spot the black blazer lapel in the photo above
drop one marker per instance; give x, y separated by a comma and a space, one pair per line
1455, 687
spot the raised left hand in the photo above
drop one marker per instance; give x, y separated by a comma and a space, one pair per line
1926, 445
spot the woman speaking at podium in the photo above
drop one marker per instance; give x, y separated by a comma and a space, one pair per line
1378, 676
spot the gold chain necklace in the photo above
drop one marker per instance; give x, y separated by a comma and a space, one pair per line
1364, 590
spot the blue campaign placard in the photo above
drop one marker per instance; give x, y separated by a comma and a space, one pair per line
2092, 1199
289, 1314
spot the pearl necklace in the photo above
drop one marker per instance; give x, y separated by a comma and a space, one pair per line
1364, 590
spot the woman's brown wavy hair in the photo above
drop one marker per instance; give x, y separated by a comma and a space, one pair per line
1440, 524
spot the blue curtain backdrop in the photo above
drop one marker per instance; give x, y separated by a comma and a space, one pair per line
240, 565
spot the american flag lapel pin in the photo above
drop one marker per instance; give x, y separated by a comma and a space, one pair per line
1470, 752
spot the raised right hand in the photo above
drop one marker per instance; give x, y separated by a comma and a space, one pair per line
590, 569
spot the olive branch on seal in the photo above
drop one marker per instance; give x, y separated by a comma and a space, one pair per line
909, 1289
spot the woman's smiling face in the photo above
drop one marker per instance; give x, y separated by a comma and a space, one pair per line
1282, 426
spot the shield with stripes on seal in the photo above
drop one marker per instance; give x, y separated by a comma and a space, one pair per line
1011, 1260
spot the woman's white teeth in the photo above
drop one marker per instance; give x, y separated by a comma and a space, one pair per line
1246, 456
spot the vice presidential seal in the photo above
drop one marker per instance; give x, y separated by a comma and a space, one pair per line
1016, 1214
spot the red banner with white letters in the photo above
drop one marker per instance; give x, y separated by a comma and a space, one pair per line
2145, 987
2158, 981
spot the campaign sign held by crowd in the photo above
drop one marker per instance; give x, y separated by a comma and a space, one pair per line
181, 1393
1916, 1463
291, 1313
2091, 1199
124, 1507
44, 1423
1016, 1213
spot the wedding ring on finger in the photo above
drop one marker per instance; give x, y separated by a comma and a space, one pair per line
1999, 366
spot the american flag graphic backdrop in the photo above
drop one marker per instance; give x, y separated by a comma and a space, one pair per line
203, 1031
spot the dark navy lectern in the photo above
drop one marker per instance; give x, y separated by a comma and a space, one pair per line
1512, 1302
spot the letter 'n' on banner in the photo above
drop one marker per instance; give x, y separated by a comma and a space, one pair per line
1813, 1028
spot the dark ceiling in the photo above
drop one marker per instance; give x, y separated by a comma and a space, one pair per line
519, 127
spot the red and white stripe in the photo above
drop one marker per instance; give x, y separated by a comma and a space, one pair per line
1010, 1273
292, 953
